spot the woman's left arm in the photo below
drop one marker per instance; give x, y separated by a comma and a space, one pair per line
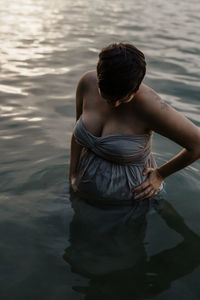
165, 120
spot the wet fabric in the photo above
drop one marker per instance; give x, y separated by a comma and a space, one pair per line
111, 166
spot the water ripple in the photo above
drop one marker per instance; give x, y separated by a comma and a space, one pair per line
45, 47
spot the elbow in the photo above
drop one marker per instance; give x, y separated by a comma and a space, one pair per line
195, 144
196, 152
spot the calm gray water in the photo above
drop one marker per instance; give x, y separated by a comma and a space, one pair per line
54, 246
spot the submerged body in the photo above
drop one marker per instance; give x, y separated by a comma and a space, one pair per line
111, 166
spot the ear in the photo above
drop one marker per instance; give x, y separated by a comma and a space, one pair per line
99, 91
117, 103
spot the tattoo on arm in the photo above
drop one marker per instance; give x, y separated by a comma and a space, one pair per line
163, 104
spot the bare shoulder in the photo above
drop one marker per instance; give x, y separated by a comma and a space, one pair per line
88, 78
148, 99
164, 119
84, 85
150, 106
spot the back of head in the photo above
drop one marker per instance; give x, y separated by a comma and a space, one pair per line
120, 71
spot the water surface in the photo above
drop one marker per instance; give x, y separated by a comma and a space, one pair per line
48, 250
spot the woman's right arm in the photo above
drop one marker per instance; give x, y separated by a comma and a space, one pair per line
75, 147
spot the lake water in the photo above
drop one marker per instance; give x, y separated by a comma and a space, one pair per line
54, 246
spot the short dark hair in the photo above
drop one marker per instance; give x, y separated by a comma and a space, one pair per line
120, 70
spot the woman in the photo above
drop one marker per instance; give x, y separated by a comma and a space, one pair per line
111, 158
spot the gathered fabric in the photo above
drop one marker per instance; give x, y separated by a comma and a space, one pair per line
111, 166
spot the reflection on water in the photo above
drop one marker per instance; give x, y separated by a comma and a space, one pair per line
45, 47
107, 246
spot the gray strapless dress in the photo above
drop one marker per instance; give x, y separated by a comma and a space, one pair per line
111, 166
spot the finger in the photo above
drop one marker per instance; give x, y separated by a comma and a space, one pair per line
143, 194
151, 194
154, 193
141, 186
146, 171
